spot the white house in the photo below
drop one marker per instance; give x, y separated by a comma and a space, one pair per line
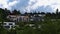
13, 17
9, 25
18, 18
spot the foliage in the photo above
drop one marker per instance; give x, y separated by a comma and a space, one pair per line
46, 27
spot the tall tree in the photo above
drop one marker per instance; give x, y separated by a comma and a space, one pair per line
57, 11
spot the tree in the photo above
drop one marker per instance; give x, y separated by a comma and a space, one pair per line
12, 31
42, 13
57, 11
15, 12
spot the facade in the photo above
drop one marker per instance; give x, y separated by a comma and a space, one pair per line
13, 17
26, 18
18, 18
8, 25
37, 17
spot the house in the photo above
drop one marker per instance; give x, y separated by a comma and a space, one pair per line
24, 18
13, 17
37, 17
18, 18
8, 25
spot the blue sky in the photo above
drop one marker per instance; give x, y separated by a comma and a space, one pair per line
31, 5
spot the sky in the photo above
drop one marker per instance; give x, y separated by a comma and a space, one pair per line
31, 5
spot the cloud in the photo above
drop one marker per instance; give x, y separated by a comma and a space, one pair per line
7, 4
38, 3
28, 5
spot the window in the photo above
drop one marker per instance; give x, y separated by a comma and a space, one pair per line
10, 23
4, 23
7, 26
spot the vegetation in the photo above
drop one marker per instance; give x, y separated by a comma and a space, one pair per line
50, 25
